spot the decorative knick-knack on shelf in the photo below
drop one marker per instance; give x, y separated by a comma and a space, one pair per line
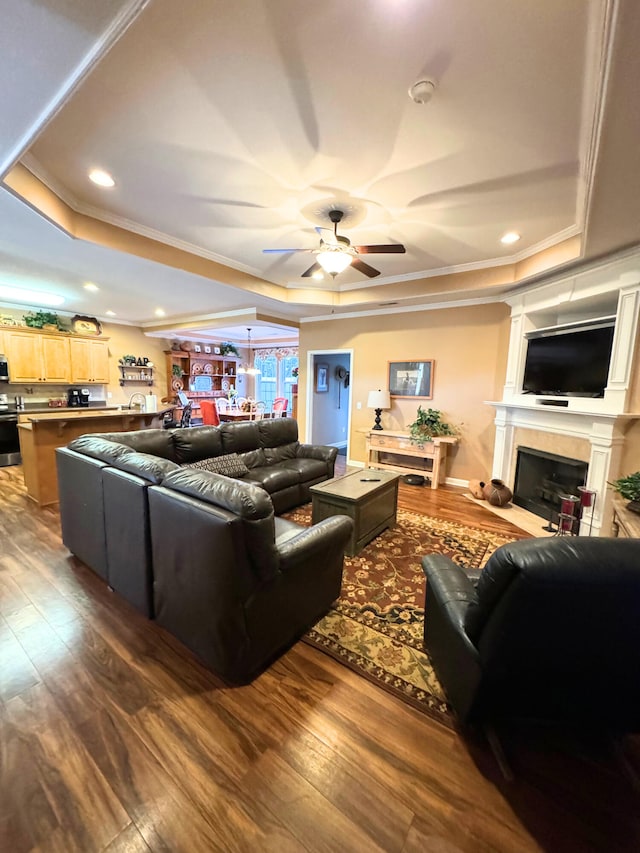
497, 493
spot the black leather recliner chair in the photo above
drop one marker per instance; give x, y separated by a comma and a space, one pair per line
551, 632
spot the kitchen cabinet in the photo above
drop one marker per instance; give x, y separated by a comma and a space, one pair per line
89, 361
37, 357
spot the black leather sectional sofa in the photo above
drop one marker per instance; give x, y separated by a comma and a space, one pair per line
203, 552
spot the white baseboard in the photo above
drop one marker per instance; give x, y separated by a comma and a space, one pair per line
455, 481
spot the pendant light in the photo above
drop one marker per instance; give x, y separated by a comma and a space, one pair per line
246, 366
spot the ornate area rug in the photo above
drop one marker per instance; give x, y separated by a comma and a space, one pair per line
376, 626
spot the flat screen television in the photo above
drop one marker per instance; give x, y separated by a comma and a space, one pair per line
569, 363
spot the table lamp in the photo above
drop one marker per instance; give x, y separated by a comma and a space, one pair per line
378, 400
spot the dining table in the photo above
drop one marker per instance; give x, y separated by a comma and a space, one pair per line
241, 416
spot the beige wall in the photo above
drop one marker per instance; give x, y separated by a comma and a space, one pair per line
469, 346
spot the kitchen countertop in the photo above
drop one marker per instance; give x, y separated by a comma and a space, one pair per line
38, 410
82, 414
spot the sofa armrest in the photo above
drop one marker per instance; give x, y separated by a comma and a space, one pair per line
318, 451
450, 586
321, 540
454, 657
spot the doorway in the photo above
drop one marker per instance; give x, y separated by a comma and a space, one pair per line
329, 398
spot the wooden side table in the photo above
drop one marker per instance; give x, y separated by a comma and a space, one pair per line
425, 458
625, 524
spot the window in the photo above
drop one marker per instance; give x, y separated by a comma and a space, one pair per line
275, 379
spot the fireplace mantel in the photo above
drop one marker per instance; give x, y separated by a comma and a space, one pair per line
604, 433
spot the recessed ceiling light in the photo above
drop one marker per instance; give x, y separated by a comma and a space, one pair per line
101, 178
510, 237
31, 297
160, 312
91, 286
110, 313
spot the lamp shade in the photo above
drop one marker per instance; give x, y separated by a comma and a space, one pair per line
333, 261
379, 400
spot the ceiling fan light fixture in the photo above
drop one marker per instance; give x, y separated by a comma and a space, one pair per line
334, 262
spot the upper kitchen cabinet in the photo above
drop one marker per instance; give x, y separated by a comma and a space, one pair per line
89, 361
36, 357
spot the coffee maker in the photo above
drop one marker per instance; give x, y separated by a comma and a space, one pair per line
78, 398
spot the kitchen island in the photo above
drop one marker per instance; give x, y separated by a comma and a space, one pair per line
41, 433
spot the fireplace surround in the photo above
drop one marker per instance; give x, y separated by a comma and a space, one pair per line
591, 431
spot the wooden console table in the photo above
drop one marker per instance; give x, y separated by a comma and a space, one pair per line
625, 524
426, 458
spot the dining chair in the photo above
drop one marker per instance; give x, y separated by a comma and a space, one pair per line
222, 405
279, 407
209, 412
258, 411
239, 402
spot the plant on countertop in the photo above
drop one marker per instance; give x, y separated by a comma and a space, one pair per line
428, 425
628, 487
40, 319
229, 349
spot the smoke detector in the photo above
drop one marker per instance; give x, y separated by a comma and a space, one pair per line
422, 91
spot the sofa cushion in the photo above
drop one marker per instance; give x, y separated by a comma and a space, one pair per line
196, 443
274, 455
276, 431
157, 442
254, 458
272, 478
306, 469
239, 437
237, 496
148, 467
100, 448
228, 464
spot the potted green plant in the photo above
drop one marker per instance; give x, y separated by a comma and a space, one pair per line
429, 424
229, 349
42, 320
629, 488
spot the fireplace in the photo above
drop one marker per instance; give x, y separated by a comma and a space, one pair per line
543, 478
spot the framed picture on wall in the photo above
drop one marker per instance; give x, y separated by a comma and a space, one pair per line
322, 378
411, 379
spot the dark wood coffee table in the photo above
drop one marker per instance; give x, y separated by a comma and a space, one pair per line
369, 497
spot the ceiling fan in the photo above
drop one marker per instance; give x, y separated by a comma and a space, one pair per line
336, 253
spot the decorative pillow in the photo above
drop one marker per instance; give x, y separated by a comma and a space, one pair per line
230, 465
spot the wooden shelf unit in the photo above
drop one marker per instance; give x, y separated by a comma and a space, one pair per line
144, 374
388, 449
193, 364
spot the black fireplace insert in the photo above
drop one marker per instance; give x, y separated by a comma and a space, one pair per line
543, 478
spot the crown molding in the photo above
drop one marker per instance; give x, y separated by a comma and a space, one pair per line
114, 31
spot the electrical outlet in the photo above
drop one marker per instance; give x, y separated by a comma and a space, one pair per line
358, 405
109, 395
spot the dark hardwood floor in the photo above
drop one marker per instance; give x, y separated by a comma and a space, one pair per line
114, 738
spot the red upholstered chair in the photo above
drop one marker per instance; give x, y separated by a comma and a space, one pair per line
209, 412
279, 407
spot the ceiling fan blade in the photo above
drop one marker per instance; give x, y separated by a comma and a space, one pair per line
313, 268
283, 251
327, 236
393, 248
364, 268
